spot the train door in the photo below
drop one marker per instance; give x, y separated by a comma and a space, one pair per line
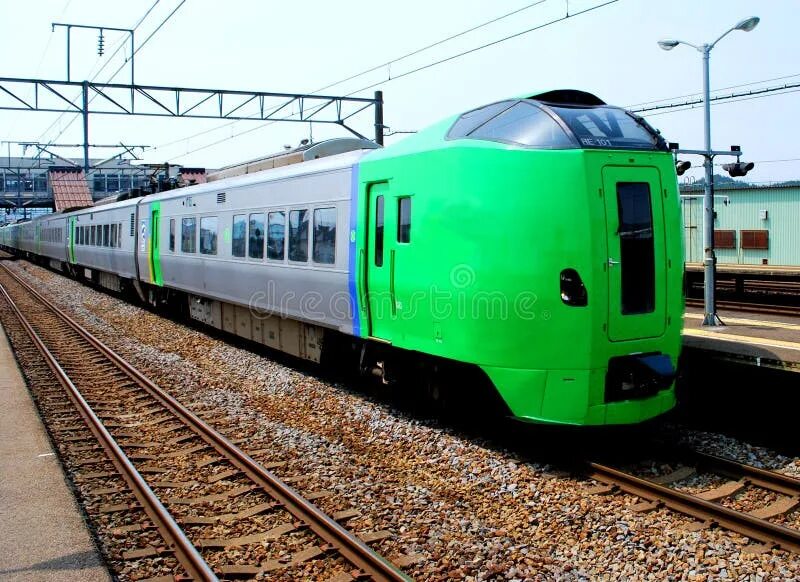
71, 240
154, 246
380, 258
636, 262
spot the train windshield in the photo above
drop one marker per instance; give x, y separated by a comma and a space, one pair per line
609, 127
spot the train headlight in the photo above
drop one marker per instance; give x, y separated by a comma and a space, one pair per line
573, 291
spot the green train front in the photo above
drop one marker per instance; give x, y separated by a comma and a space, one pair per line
539, 240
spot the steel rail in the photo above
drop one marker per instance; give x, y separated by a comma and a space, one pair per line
777, 482
348, 545
188, 556
772, 534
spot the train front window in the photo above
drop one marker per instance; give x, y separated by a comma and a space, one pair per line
609, 127
637, 251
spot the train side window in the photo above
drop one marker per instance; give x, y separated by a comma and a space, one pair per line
276, 235
239, 238
172, 235
113, 235
106, 235
255, 242
208, 235
298, 236
79, 235
188, 235
92, 234
324, 236
379, 231
404, 220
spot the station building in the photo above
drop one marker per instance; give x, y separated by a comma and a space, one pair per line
27, 183
755, 224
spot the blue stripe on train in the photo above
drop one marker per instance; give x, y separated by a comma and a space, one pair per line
353, 262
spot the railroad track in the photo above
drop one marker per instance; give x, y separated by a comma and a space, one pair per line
708, 507
217, 513
749, 307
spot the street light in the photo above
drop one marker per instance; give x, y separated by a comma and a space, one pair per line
710, 317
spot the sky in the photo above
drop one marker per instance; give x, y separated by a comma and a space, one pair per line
610, 51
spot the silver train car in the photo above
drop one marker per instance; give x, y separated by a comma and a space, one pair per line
264, 256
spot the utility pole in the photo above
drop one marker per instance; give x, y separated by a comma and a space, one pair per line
710, 317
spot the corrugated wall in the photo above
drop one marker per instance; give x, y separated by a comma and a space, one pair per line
743, 212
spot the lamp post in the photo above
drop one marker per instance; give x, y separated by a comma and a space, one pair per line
710, 317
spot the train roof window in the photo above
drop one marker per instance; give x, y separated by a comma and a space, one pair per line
475, 118
524, 124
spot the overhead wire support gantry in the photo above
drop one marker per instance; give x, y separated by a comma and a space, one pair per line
195, 103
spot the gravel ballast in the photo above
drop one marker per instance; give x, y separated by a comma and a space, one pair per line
456, 506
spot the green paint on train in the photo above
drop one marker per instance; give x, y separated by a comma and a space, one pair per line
71, 241
154, 244
555, 266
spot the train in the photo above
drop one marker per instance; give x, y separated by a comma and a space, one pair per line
524, 255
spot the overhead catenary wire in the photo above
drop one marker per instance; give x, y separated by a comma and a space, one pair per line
430, 46
93, 76
749, 84
136, 50
41, 59
733, 98
122, 44
371, 69
484, 46
418, 69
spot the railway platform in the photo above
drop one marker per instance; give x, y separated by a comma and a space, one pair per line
784, 271
771, 341
44, 537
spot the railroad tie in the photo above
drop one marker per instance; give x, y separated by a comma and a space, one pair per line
779, 507
724, 490
677, 475
268, 535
